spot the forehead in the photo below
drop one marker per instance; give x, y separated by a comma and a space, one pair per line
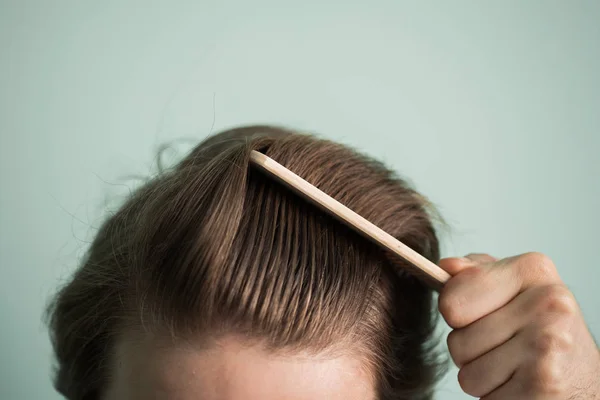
229, 370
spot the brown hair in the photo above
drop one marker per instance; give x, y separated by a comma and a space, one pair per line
213, 245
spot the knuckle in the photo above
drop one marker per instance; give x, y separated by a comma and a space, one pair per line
552, 340
557, 299
538, 263
547, 377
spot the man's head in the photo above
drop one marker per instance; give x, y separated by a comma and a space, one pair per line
214, 281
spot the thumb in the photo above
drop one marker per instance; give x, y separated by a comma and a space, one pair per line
454, 265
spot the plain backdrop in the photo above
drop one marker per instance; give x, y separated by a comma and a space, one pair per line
491, 109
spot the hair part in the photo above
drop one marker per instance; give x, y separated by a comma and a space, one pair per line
216, 247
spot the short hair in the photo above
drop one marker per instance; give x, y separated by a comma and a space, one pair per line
214, 246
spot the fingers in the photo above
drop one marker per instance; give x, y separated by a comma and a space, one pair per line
509, 390
486, 373
485, 334
527, 385
481, 258
518, 331
530, 365
480, 289
474, 293
453, 265
539, 325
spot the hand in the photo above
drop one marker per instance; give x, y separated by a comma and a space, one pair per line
518, 331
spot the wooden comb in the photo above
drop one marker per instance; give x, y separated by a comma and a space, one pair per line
421, 267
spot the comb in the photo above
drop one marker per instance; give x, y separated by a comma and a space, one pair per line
419, 266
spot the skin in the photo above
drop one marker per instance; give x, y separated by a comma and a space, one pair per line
518, 334
518, 331
149, 368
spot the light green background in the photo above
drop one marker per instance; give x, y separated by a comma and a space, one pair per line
490, 108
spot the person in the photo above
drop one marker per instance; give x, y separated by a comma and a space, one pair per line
213, 281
